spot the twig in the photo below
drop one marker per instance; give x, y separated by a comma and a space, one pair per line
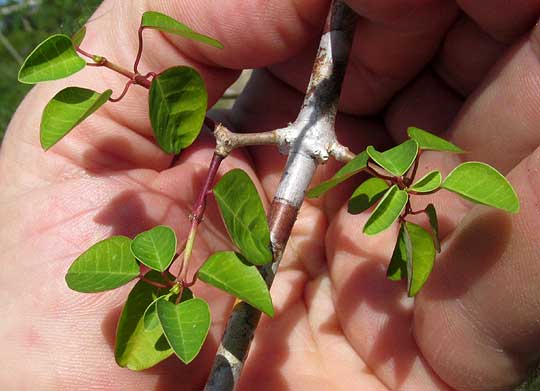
309, 141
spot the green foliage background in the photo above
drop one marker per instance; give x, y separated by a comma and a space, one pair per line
24, 24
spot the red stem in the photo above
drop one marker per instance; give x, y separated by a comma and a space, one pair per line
126, 88
153, 283
139, 51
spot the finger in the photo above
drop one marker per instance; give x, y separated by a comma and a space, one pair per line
476, 320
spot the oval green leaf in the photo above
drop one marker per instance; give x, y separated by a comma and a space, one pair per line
244, 216
423, 257
228, 271
159, 21
401, 257
429, 142
66, 110
429, 182
434, 224
78, 37
106, 265
54, 58
155, 248
150, 318
481, 183
137, 348
178, 102
387, 211
397, 160
185, 326
348, 170
366, 195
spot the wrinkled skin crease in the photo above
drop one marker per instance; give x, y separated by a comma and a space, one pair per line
339, 323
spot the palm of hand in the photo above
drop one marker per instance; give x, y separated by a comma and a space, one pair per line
339, 323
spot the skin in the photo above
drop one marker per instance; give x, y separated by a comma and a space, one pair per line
466, 69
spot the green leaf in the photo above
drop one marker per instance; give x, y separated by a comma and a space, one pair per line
155, 248
397, 160
401, 257
434, 223
244, 216
366, 195
185, 326
178, 102
78, 37
137, 348
387, 211
427, 141
106, 265
481, 183
228, 271
423, 257
54, 58
150, 318
348, 170
66, 110
158, 21
431, 181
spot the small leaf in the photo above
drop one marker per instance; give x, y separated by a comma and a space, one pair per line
150, 318
434, 223
178, 102
185, 326
348, 170
387, 211
431, 181
423, 257
229, 272
155, 248
78, 37
401, 257
397, 160
66, 110
54, 58
158, 21
137, 348
481, 183
366, 195
106, 265
427, 141
244, 216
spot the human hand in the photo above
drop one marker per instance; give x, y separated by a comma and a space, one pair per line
339, 323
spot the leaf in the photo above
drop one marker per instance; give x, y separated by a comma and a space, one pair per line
387, 211
54, 58
434, 223
155, 248
66, 110
78, 37
158, 21
137, 348
244, 216
150, 318
423, 257
348, 170
178, 102
366, 195
401, 257
413, 257
481, 183
185, 326
228, 271
427, 141
429, 182
106, 265
397, 160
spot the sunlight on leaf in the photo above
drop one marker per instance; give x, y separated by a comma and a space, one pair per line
397, 160
431, 181
66, 110
54, 58
228, 271
366, 195
387, 211
150, 318
423, 257
155, 248
401, 257
482, 184
244, 216
429, 142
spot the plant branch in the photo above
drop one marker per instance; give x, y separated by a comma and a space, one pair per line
309, 141
226, 140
